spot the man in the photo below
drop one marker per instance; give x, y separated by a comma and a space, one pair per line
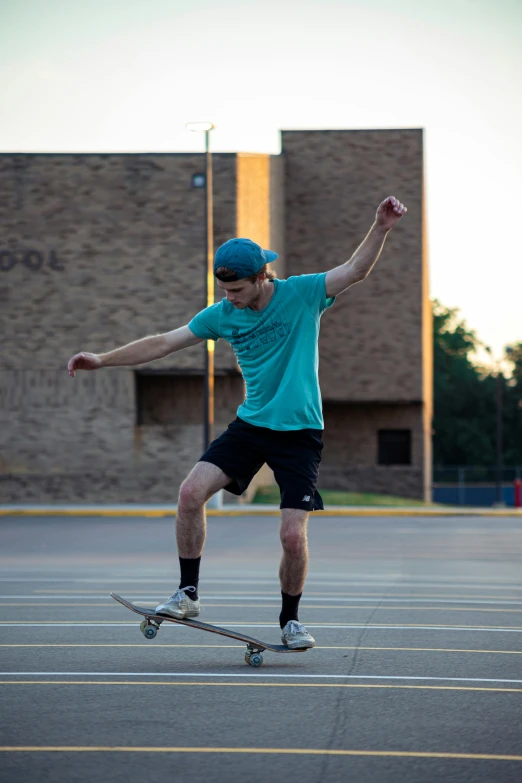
273, 327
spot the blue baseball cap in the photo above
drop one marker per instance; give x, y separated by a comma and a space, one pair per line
243, 257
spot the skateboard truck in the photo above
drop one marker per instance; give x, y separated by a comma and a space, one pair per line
253, 655
150, 627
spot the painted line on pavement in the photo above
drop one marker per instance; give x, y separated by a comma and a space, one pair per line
311, 580
379, 677
323, 626
310, 598
376, 605
352, 686
312, 603
256, 595
159, 645
264, 751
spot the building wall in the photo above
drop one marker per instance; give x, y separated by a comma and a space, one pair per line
127, 233
375, 343
350, 460
99, 250
427, 363
371, 341
118, 252
277, 213
123, 252
261, 203
253, 198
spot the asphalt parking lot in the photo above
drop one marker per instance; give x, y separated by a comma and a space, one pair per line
416, 677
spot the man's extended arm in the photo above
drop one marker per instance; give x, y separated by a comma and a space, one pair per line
140, 351
360, 264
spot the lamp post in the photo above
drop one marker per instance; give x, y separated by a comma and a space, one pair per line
208, 405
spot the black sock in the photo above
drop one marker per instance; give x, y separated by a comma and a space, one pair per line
189, 567
290, 608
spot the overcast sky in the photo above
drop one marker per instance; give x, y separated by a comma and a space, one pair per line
125, 76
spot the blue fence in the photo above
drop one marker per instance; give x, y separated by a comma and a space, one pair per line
473, 485
472, 495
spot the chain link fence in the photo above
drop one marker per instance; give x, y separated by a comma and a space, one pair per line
475, 485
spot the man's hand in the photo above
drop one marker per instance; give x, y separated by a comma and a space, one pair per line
389, 213
83, 361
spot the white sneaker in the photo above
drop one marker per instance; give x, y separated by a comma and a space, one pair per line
295, 636
180, 605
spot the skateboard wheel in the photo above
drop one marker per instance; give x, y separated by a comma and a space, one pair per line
149, 630
247, 656
255, 660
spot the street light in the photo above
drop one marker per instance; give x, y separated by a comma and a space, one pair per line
208, 414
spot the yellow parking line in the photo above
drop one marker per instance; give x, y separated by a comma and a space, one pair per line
158, 646
264, 685
264, 751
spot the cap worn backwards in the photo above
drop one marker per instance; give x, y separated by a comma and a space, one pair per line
243, 257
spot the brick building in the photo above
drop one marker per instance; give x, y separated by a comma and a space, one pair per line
99, 250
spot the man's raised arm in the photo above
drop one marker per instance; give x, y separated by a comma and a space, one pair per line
139, 352
360, 264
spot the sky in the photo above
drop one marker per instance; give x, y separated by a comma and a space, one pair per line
126, 75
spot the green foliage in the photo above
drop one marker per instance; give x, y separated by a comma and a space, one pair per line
513, 408
465, 400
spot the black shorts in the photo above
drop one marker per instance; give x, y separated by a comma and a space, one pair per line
293, 455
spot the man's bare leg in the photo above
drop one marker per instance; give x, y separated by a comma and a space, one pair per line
294, 540
202, 482
292, 575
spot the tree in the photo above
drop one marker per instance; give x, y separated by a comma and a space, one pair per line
513, 407
464, 395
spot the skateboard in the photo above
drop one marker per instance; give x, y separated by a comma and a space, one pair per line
150, 627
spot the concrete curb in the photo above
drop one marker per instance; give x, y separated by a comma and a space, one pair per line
251, 510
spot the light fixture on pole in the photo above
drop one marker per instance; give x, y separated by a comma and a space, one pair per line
208, 416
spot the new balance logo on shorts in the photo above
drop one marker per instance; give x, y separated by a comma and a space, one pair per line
306, 498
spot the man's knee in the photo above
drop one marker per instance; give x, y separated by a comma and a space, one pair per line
191, 495
200, 484
293, 539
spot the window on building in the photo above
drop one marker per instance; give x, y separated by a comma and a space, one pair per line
168, 399
172, 398
394, 447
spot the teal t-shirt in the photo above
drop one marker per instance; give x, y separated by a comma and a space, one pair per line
277, 351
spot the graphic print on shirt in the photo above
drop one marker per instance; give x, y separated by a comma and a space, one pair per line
274, 327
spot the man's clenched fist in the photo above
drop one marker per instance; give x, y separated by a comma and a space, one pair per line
389, 213
83, 361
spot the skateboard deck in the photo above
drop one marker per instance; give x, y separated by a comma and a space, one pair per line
150, 627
